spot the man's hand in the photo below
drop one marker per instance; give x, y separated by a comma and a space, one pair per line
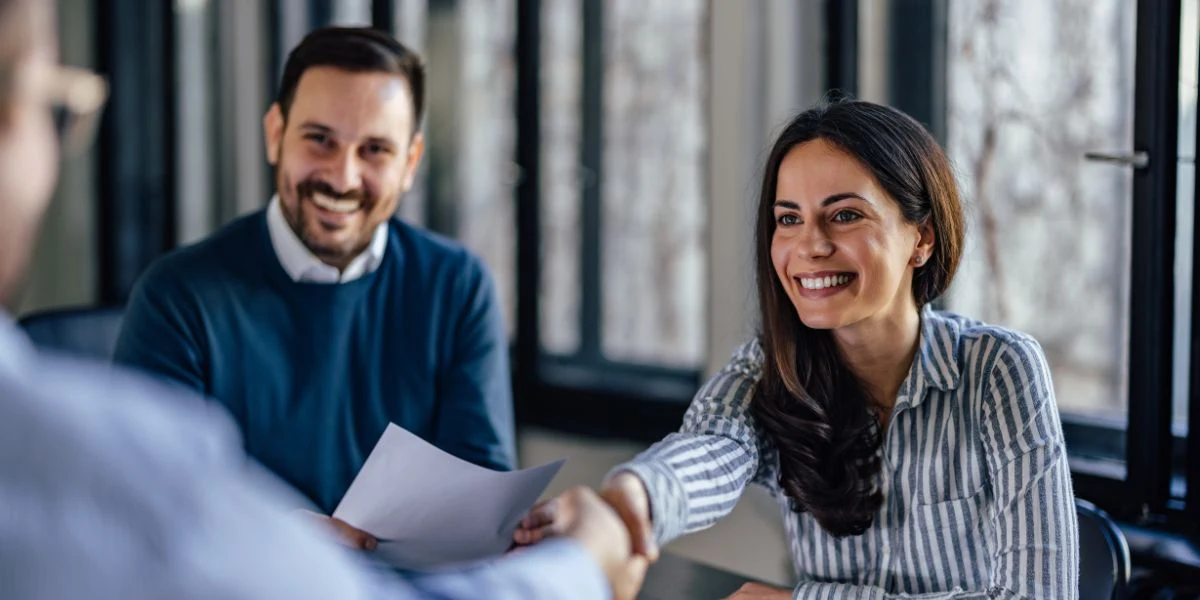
627, 496
349, 536
583, 516
758, 591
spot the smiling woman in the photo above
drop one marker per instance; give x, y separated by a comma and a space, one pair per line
891, 434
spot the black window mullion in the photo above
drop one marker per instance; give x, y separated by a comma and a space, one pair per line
383, 13
591, 156
528, 195
917, 44
137, 154
321, 12
1151, 323
841, 46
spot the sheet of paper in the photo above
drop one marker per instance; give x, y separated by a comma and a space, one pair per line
429, 509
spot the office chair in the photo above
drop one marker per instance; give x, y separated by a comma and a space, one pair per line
90, 332
1104, 563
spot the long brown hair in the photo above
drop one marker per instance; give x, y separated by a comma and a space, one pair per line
815, 410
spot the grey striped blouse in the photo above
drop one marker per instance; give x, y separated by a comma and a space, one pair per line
977, 491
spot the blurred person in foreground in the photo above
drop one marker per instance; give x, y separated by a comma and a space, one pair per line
113, 486
914, 453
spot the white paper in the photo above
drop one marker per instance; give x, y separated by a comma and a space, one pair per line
429, 509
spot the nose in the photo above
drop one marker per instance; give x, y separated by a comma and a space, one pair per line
814, 242
344, 173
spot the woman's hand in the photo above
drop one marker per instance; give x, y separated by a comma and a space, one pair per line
625, 493
758, 591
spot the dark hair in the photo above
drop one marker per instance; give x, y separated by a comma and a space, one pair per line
357, 49
816, 411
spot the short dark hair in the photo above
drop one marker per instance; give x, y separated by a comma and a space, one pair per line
357, 49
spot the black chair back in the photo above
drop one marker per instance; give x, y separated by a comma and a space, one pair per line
1104, 563
88, 332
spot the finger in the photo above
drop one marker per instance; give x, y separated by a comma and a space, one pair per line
631, 578
640, 533
541, 514
355, 537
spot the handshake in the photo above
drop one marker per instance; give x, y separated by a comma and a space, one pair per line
613, 526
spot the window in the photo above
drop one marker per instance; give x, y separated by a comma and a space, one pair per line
1070, 124
563, 178
470, 134
652, 184
1032, 88
623, 135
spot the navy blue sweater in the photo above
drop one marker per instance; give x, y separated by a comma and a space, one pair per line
314, 372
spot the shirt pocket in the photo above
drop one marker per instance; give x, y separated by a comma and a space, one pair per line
946, 532
958, 515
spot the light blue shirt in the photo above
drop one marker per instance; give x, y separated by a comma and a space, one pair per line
113, 486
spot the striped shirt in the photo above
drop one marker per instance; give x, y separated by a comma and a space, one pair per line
977, 492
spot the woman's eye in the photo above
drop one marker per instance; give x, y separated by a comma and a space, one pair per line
846, 216
787, 219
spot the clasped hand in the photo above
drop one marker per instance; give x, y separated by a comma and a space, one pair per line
613, 526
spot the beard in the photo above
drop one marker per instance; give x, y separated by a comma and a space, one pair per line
328, 242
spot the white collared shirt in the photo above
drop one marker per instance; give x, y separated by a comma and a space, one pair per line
302, 265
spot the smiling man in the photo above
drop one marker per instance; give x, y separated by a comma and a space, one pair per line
321, 318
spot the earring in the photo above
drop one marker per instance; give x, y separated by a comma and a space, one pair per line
918, 260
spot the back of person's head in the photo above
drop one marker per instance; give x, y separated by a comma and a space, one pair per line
15, 43
355, 49
816, 410
28, 146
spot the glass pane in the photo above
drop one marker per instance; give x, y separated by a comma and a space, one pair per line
1033, 85
409, 22
471, 133
654, 190
1189, 57
561, 72
351, 12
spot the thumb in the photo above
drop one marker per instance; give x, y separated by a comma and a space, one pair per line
643, 544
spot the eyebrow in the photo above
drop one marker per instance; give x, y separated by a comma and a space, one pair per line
374, 139
826, 202
315, 125
382, 140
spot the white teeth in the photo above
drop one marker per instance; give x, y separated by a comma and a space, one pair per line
820, 283
342, 206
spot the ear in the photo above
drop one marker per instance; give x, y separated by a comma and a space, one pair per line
926, 237
273, 124
416, 149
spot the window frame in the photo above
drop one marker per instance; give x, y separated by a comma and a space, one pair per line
918, 30
583, 392
563, 392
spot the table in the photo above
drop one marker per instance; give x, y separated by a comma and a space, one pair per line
676, 578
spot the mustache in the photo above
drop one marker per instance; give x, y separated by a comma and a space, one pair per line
306, 189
